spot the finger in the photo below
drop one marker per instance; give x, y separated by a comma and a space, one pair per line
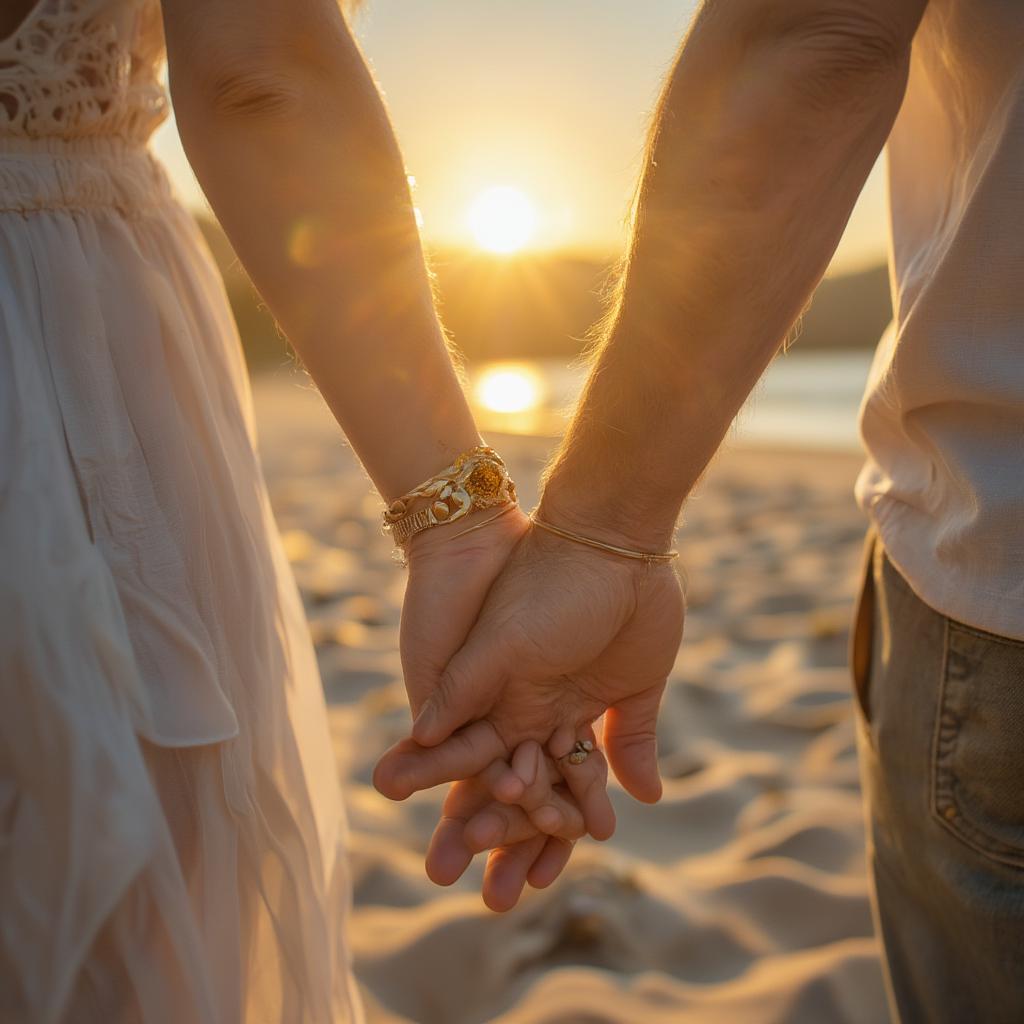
527, 762
509, 782
588, 784
550, 863
408, 767
506, 871
472, 822
631, 742
498, 825
551, 810
448, 854
465, 690
562, 741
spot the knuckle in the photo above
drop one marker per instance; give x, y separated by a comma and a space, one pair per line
447, 685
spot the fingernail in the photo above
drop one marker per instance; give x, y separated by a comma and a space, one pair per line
424, 720
524, 765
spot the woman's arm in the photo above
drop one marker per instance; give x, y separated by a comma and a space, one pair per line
290, 140
288, 136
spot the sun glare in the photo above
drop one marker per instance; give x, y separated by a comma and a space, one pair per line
502, 219
509, 389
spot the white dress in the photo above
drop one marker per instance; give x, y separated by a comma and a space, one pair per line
171, 840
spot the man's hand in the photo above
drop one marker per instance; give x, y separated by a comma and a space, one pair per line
567, 634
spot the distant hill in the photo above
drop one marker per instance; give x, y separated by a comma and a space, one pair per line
543, 305
848, 312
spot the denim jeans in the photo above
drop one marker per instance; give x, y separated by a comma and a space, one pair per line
941, 738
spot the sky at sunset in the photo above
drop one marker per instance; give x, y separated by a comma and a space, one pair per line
550, 98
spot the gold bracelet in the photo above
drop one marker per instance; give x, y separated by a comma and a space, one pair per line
650, 557
477, 479
486, 522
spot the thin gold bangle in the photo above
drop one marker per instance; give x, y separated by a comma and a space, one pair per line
487, 522
650, 557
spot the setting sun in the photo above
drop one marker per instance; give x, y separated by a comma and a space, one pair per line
502, 219
510, 388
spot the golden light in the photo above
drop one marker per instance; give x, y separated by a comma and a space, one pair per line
502, 219
511, 388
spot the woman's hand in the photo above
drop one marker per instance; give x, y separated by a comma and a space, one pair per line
566, 634
516, 809
450, 573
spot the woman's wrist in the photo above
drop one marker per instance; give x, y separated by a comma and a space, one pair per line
481, 528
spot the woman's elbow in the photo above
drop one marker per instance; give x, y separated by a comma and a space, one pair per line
243, 88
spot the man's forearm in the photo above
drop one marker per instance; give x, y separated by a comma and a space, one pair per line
761, 145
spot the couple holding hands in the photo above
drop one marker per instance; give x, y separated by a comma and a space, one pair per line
171, 840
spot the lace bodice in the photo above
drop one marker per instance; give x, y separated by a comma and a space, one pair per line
78, 69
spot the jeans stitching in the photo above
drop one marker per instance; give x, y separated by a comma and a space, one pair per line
943, 776
981, 634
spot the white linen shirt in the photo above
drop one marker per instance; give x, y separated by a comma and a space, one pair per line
943, 416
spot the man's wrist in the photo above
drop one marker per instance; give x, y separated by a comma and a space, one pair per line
607, 513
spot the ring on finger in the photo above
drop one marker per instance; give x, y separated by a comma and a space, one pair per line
580, 752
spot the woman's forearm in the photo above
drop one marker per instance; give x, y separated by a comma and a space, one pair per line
768, 127
290, 140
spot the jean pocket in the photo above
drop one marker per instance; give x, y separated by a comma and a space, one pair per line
862, 629
978, 777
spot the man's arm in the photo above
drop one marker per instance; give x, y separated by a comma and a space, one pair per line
770, 122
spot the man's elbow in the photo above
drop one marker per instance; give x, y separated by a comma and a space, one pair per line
842, 54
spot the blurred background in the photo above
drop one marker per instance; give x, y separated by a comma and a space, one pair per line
522, 125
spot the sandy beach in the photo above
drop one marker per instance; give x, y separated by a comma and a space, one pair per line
742, 897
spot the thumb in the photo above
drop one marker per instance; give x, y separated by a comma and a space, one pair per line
631, 743
464, 692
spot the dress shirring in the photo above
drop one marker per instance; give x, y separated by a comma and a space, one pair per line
80, 175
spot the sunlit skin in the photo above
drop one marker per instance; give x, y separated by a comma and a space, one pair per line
502, 219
